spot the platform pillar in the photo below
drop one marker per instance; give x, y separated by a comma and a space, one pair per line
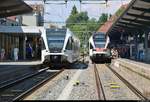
146, 57
24, 47
136, 45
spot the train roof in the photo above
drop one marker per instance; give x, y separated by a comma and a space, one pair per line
98, 33
56, 31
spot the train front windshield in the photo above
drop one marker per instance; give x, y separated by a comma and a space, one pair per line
99, 40
55, 40
55, 44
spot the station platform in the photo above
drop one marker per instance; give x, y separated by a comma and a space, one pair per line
138, 67
27, 62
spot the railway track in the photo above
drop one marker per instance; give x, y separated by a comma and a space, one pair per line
129, 85
20, 88
14, 72
100, 90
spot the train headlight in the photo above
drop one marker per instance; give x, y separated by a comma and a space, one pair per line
94, 49
104, 49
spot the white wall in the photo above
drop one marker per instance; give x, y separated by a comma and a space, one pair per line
30, 20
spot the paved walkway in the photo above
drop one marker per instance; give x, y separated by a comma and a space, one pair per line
138, 67
141, 64
27, 62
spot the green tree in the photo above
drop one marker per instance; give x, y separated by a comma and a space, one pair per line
82, 26
74, 10
103, 18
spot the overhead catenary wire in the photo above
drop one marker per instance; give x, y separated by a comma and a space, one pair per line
57, 2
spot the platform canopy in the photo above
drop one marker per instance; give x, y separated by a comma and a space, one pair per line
13, 7
21, 30
136, 18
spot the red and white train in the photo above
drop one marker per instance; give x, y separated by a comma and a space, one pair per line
98, 47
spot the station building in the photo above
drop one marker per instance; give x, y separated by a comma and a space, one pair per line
132, 43
12, 34
20, 37
132, 29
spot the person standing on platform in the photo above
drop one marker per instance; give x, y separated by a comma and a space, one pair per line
16, 51
2, 54
29, 51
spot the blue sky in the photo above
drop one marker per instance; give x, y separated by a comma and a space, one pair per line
59, 13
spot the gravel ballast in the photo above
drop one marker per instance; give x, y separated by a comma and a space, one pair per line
83, 87
86, 89
140, 82
114, 88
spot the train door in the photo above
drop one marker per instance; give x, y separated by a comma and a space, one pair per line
69, 49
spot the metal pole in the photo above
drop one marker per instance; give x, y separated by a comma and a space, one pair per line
83, 49
44, 11
24, 47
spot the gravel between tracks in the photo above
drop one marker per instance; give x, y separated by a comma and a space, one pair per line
138, 81
53, 88
86, 89
114, 88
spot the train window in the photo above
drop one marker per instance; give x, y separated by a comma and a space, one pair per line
91, 47
55, 43
99, 45
76, 45
43, 45
69, 44
73, 45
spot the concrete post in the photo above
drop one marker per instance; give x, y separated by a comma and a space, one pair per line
24, 47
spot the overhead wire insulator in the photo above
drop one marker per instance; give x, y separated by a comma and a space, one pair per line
44, 1
66, 1
106, 2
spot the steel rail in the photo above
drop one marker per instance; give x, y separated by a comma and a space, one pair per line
128, 84
3, 87
14, 90
37, 86
18, 77
100, 90
71, 0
